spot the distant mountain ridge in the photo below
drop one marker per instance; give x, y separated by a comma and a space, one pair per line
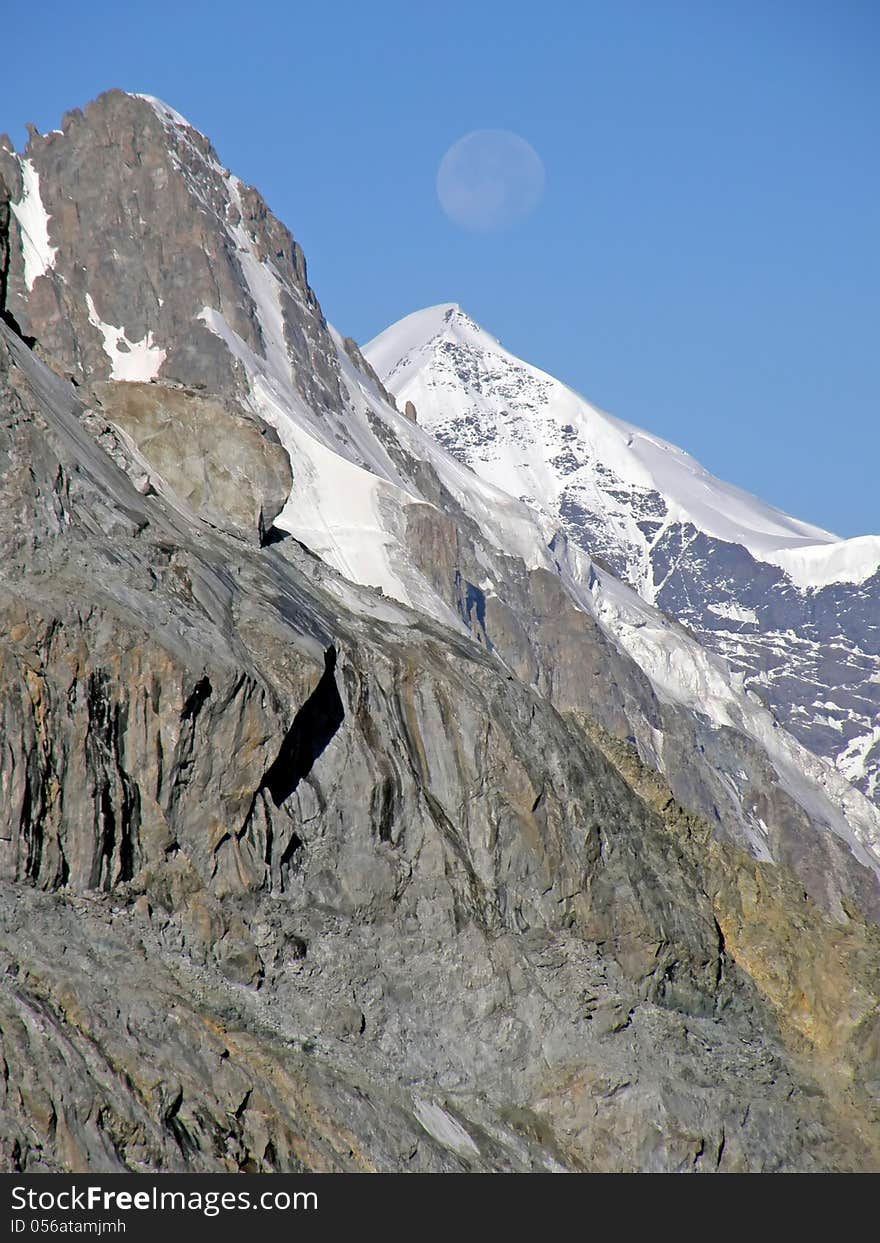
792, 608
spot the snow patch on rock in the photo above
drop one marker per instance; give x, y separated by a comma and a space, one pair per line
731, 611
131, 360
167, 115
444, 1128
820, 565
33, 221
853, 762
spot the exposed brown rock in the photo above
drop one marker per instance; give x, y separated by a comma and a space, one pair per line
226, 465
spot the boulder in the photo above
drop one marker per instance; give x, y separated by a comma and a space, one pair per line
225, 464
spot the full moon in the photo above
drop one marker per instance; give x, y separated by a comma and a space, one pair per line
489, 180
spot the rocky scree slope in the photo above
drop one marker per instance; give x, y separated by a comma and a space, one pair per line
296, 876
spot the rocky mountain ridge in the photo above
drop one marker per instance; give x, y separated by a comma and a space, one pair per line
301, 873
375, 495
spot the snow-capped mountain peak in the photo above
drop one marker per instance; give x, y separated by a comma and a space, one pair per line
535, 437
766, 590
409, 345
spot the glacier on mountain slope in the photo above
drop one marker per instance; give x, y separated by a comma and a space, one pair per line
349, 531
350, 500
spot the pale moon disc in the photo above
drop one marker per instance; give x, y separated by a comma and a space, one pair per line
490, 180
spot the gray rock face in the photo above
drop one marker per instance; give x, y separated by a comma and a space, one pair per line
378, 909
812, 656
537, 630
160, 186
293, 876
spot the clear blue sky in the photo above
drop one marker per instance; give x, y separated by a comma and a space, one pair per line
705, 262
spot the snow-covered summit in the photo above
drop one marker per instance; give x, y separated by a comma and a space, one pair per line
405, 347
534, 437
794, 609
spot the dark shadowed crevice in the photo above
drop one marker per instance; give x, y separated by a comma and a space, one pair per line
29, 828
308, 737
289, 851
199, 694
5, 260
382, 808
274, 535
471, 601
